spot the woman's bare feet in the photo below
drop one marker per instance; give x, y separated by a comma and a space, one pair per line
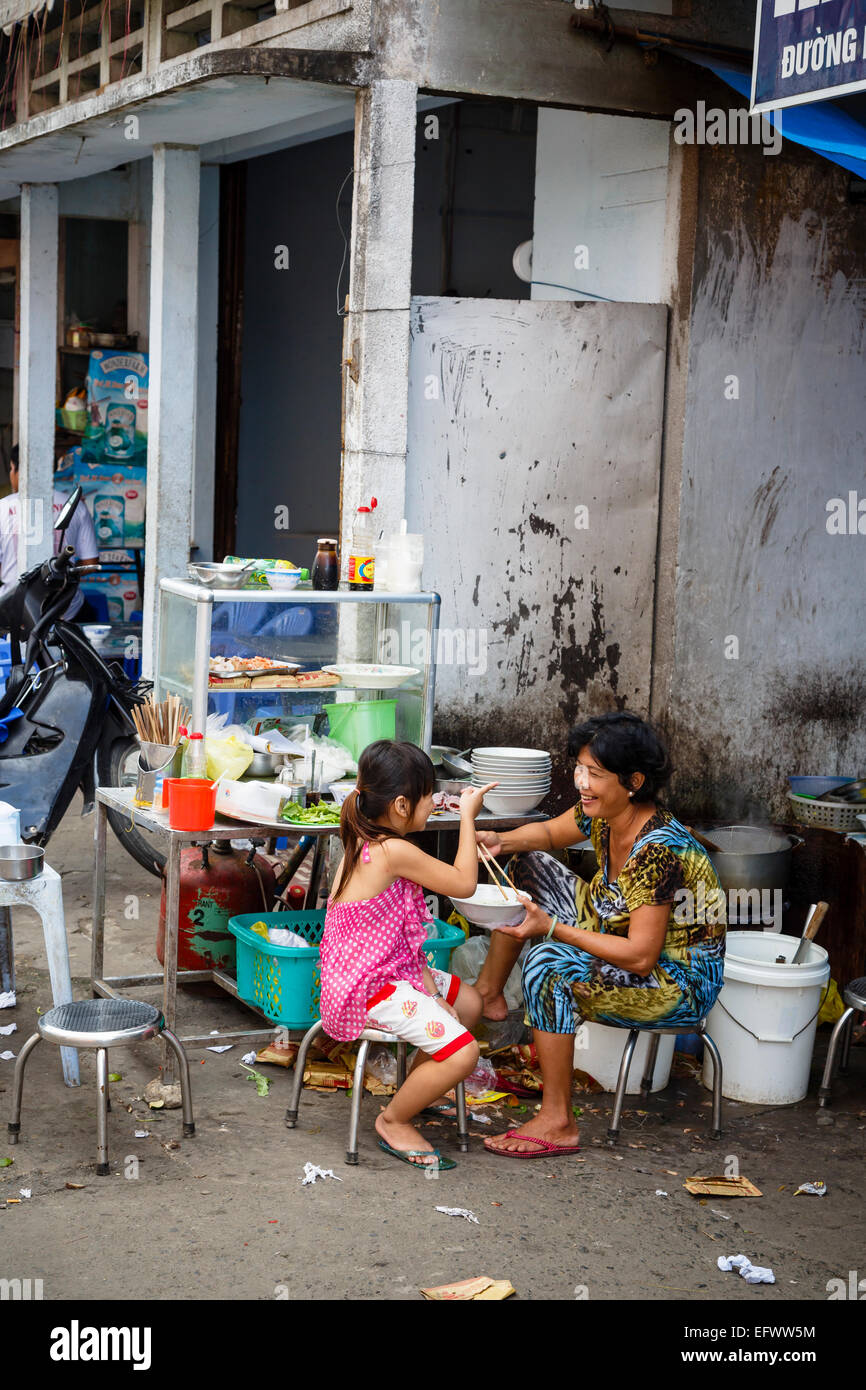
404, 1137
493, 1006
539, 1127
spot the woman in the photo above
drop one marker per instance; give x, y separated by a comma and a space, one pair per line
642, 944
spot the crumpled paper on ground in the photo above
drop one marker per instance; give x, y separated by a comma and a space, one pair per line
818, 1188
460, 1211
312, 1171
7, 999
753, 1274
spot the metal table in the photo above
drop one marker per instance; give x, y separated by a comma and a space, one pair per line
110, 986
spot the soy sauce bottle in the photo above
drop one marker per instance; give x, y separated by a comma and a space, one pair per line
326, 567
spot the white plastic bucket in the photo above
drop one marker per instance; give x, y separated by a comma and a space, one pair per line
765, 1018
598, 1049
10, 824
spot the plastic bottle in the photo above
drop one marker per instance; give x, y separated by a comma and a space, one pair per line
194, 757
362, 564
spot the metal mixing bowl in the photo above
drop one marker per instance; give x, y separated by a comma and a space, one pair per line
20, 862
217, 576
265, 764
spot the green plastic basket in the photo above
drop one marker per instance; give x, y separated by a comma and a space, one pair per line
285, 981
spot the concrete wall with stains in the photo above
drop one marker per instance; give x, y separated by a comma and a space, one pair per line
769, 670
521, 415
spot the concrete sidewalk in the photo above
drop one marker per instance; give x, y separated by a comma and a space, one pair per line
224, 1215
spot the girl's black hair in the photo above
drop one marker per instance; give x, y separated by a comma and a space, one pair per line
386, 769
625, 744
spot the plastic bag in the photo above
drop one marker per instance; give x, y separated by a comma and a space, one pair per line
227, 756
467, 960
382, 1064
482, 1079
832, 1007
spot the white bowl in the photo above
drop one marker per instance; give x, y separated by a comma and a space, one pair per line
513, 804
283, 579
510, 779
514, 789
340, 790
486, 907
480, 770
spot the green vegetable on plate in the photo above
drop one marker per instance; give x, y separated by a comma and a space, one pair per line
324, 813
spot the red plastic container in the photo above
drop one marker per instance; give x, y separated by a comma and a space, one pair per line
191, 803
166, 781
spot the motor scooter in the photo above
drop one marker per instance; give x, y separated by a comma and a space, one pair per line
65, 711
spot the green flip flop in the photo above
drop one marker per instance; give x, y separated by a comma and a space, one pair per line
406, 1156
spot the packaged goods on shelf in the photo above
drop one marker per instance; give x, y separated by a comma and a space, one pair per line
114, 493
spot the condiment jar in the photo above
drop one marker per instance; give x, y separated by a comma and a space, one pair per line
326, 567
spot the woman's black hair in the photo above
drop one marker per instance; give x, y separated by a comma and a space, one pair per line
386, 769
625, 744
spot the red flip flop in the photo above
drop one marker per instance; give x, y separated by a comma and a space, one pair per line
545, 1148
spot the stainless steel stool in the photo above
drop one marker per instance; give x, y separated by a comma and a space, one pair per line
100, 1024
647, 1080
854, 996
369, 1035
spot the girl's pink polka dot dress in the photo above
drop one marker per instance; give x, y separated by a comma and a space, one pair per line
367, 945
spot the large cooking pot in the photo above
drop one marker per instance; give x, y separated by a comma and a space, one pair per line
751, 856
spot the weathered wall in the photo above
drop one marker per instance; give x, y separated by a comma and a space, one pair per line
778, 302
520, 416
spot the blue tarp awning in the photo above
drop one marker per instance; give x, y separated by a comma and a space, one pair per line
821, 126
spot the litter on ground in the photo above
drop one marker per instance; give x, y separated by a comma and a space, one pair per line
753, 1274
483, 1289
818, 1188
460, 1211
312, 1172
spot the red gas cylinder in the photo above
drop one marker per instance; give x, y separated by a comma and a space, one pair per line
216, 883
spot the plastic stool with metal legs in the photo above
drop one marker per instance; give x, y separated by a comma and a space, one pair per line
854, 996
369, 1035
649, 1068
100, 1024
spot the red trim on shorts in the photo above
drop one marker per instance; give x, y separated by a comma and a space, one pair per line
462, 1040
453, 989
384, 993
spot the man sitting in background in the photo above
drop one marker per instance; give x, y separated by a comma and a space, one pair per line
79, 534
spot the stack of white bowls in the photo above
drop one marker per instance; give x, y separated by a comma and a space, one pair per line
522, 774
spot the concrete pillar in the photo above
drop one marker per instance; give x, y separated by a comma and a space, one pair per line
37, 371
206, 399
377, 337
173, 377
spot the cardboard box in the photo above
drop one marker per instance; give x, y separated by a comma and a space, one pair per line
115, 495
117, 384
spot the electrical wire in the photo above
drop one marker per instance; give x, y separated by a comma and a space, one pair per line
586, 294
341, 312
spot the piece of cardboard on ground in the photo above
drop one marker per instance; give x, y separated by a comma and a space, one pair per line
481, 1289
721, 1187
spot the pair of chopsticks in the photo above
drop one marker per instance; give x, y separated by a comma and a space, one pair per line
487, 858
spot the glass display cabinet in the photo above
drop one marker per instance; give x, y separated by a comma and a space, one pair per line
310, 630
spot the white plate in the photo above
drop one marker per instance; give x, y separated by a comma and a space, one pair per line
520, 754
282, 825
366, 675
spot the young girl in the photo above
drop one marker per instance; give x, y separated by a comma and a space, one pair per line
374, 971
